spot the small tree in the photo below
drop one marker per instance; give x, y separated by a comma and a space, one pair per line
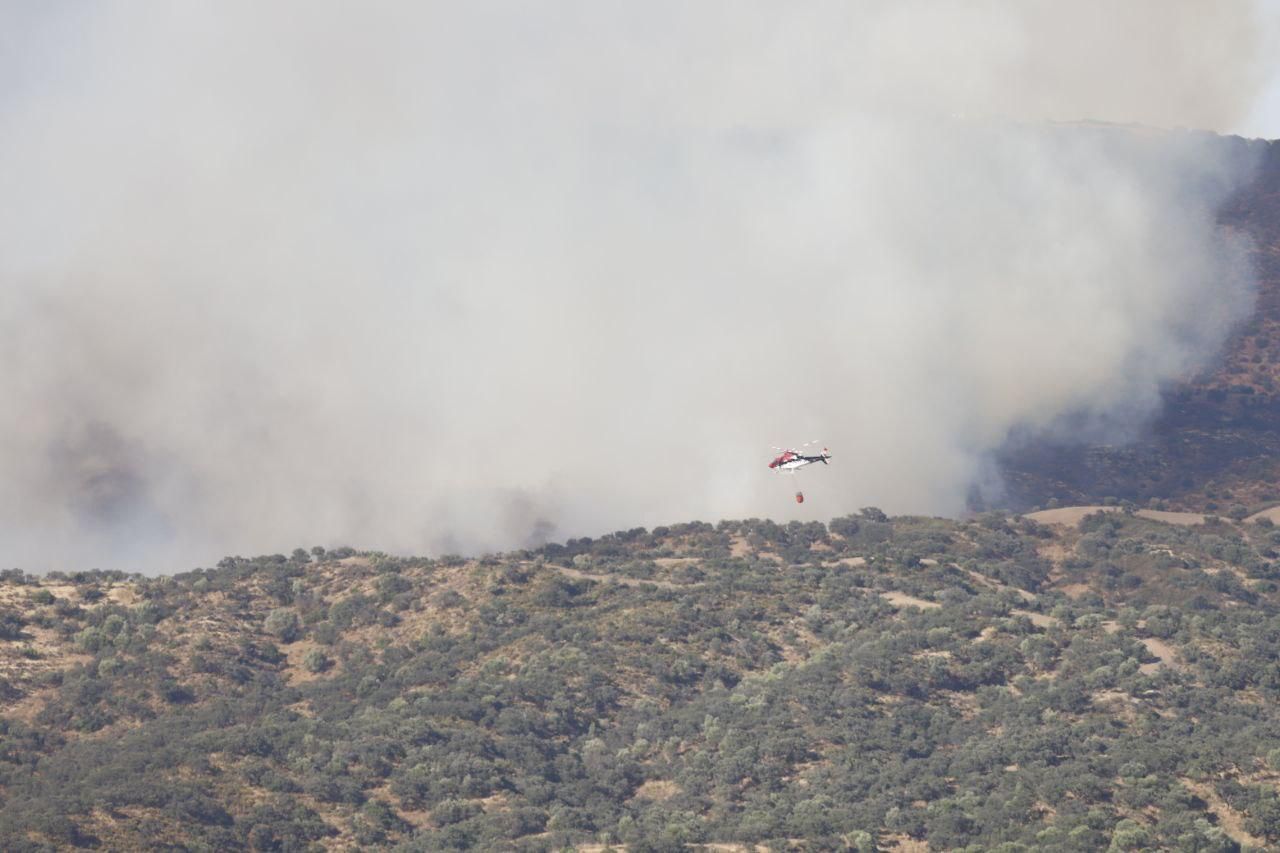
315, 661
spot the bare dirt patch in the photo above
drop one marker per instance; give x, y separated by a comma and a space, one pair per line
1166, 653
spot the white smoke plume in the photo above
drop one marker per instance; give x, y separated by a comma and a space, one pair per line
447, 276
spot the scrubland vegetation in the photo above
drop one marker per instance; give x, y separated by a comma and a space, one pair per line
992, 684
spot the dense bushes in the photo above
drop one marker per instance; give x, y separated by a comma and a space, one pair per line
787, 682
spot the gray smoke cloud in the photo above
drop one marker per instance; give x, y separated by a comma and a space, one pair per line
439, 276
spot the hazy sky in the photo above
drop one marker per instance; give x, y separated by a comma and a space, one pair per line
1263, 121
438, 276
1263, 118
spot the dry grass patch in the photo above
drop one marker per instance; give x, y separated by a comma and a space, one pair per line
1182, 518
657, 790
296, 672
25, 660
1071, 516
125, 594
1121, 704
1067, 516
623, 580
1040, 620
1073, 590
901, 843
901, 599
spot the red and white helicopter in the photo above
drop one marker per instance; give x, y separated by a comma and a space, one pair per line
791, 461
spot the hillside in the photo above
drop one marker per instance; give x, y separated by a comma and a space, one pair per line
997, 683
1215, 441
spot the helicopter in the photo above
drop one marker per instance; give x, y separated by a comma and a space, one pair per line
792, 460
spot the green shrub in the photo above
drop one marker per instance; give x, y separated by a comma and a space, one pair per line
283, 623
315, 661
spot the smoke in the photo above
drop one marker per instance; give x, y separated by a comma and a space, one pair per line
444, 276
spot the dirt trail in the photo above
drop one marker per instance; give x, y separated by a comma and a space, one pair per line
1231, 821
992, 583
